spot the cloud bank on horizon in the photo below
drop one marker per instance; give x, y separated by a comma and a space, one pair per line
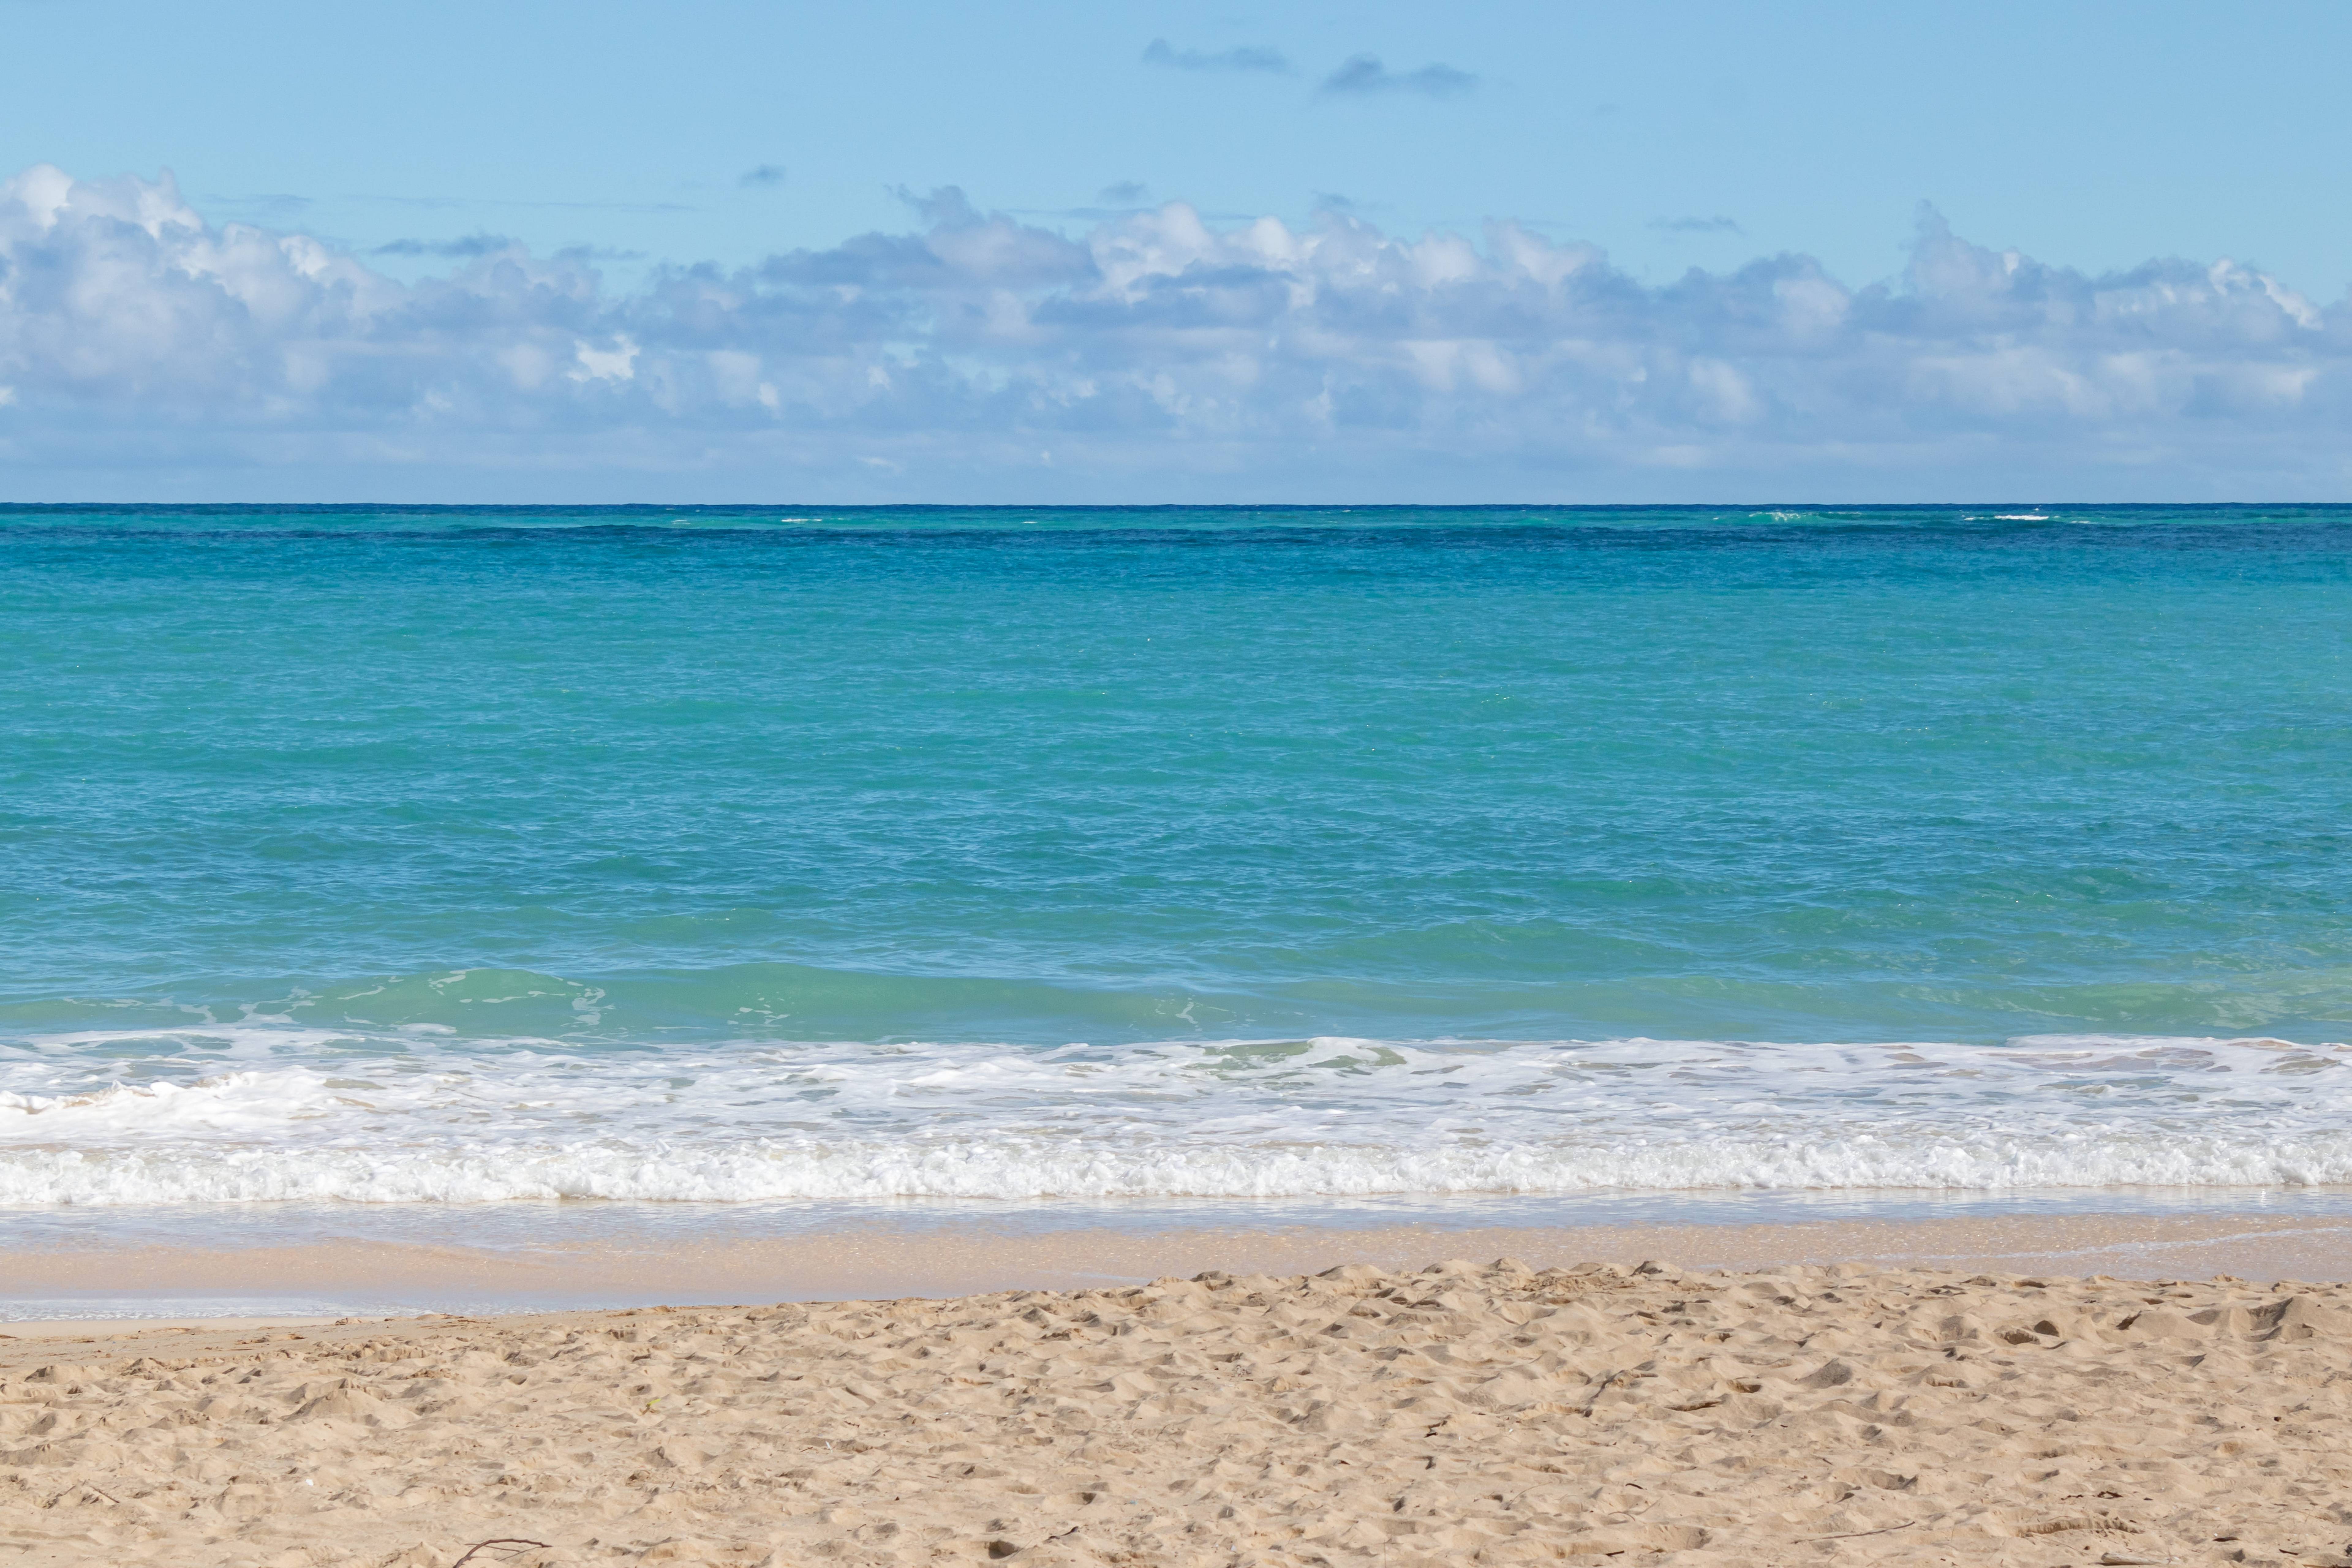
1160, 356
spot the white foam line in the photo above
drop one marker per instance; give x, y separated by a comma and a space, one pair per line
278, 1117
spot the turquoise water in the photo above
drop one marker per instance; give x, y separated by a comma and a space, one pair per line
720, 853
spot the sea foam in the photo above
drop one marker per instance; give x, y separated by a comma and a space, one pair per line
255, 1112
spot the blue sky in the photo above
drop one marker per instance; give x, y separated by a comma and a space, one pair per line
612, 148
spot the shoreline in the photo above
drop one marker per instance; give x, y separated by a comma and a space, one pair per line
376, 1277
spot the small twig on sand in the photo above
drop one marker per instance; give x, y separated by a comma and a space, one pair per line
1842, 1535
498, 1541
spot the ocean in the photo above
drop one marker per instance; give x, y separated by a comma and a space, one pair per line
729, 855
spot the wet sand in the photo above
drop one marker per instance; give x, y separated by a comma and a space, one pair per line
881, 1262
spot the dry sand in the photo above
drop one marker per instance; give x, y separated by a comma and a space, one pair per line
1457, 1414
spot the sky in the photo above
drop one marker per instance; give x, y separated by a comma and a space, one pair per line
1544, 252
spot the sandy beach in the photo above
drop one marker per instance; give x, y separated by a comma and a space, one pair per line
1459, 1413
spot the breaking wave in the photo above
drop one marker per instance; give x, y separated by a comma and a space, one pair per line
257, 1113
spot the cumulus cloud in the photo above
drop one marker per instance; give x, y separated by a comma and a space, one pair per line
1158, 354
1160, 52
1363, 76
1718, 225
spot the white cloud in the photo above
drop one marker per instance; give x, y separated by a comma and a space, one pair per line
1160, 356
619, 362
